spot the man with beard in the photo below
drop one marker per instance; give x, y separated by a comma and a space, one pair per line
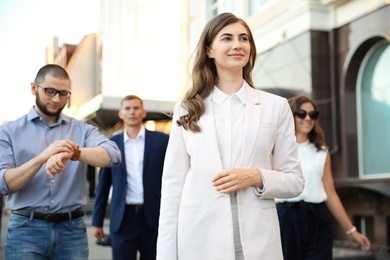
42, 170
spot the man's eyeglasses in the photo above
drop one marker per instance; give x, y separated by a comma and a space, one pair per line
51, 92
302, 114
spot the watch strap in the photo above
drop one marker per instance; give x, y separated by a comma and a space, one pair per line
76, 154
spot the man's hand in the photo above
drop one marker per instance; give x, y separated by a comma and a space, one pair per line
59, 154
56, 163
59, 146
98, 233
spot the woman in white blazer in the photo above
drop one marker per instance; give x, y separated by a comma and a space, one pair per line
231, 152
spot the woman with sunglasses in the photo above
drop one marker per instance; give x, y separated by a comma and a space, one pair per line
304, 223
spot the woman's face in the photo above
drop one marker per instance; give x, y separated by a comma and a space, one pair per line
230, 48
305, 125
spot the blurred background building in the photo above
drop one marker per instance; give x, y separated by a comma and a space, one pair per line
336, 51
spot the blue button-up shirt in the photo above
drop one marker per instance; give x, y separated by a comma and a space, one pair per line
23, 139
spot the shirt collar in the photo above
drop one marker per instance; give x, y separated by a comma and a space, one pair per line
219, 97
33, 114
141, 134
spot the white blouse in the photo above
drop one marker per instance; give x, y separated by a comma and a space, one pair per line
312, 163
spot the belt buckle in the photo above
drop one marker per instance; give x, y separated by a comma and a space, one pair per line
54, 218
138, 208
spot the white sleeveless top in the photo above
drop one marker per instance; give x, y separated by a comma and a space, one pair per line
312, 163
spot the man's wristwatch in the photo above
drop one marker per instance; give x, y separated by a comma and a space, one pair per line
76, 154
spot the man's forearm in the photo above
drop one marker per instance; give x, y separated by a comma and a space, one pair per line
17, 178
95, 156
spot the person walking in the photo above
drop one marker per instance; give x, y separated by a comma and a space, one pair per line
231, 151
42, 171
136, 187
305, 217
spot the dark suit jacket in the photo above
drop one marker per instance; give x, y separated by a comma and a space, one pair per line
154, 154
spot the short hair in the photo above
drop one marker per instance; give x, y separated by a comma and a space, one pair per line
52, 69
131, 97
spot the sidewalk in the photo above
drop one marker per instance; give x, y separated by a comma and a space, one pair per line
96, 252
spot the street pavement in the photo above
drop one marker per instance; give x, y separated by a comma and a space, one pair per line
96, 252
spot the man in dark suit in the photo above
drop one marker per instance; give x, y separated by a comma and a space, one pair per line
136, 187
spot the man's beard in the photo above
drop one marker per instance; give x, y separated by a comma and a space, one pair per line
44, 110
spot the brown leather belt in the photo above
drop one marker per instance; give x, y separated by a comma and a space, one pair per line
50, 217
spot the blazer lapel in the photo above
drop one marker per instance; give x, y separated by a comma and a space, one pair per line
121, 147
253, 110
148, 144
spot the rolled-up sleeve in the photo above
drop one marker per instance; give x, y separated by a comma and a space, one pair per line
95, 138
113, 151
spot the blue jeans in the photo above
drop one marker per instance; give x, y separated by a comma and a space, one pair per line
31, 239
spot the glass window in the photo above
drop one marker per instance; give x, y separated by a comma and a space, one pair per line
373, 99
256, 5
220, 6
365, 224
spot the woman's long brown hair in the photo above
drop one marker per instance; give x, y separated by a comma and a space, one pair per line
204, 73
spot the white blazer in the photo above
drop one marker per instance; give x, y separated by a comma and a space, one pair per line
195, 219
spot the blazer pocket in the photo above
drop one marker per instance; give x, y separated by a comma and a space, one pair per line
269, 213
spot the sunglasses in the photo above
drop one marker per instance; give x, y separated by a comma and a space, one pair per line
302, 114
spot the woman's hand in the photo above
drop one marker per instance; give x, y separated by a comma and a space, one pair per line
237, 179
362, 240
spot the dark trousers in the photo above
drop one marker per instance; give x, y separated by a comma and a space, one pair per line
305, 231
134, 235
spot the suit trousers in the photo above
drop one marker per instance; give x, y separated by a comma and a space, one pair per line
134, 235
305, 231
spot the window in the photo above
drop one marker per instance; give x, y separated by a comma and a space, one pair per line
373, 101
365, 225
254, 6
220, 6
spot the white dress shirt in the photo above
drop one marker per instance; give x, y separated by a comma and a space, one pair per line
229, 115
134, 158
